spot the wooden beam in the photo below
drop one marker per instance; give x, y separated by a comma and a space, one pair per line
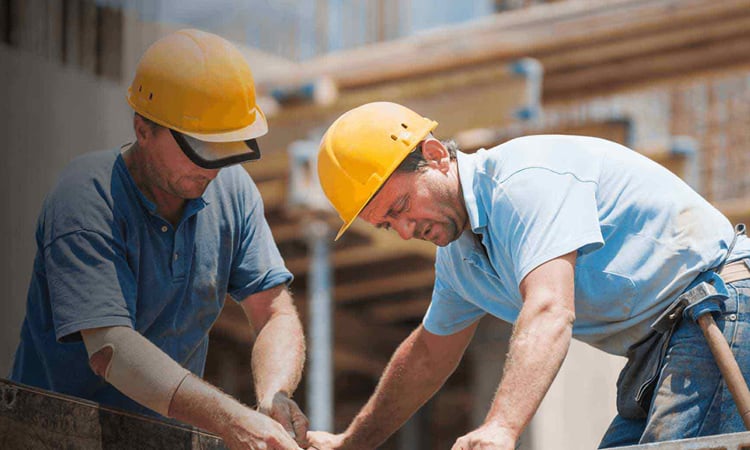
591, 80
544, 28
110, 43
489, 95
609, 128
354, 290
401, 310
347, 360
661, 41
351, 333
88, 35
351, 256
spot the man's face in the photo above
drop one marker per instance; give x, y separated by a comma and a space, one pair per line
424, 205
172, 171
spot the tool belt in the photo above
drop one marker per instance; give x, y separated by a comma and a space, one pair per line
707, 293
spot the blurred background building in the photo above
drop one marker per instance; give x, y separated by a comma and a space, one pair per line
669, 78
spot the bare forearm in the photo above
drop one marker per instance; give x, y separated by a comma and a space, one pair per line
278, 356
200, 404
412, 376
205, 406
538, 347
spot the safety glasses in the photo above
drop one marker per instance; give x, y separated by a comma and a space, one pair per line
215, 155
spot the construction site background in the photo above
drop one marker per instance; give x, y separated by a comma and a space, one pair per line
670, 78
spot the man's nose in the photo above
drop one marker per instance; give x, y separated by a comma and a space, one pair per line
405, 228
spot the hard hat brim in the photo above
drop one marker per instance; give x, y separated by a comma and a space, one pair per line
256, 129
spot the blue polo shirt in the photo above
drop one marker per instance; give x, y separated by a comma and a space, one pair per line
641, 236
105, 258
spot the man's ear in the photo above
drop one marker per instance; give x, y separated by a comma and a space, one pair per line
435, 153
143, 131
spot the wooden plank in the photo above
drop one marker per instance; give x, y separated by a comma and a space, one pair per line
33, 24
110, 42
353, 347
388, 313
613, 130
72, 32
593, 80
351, 330
733, 441
548, 28
88, 36
346, 360
669, 39
350, 256
5, 6
17, 24
54, 41
34, 418
355, 290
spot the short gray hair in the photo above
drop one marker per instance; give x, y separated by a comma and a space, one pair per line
415, 161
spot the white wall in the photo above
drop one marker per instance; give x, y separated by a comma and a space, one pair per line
581, 402
48, 115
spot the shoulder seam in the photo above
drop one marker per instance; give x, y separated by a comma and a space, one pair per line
548, 170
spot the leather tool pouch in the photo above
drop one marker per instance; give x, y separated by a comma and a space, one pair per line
636, 383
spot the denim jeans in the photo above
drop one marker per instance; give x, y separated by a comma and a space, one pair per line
691, 398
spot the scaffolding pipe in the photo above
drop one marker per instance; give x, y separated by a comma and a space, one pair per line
309, 205
319, 378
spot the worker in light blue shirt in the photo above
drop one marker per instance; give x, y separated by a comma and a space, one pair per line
139, 246
563, 236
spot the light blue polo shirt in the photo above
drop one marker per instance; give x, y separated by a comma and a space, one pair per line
641, 236
105, 258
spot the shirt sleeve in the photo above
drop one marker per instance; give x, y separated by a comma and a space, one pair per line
540, 214
90, 284
257, 265
448, 313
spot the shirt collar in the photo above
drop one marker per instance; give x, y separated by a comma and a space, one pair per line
468, 165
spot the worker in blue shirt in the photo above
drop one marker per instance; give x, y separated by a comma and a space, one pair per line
138, 247
563, 236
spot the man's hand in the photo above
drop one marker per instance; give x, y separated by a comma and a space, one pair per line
286, 412
486, 437
254, 431
320, 440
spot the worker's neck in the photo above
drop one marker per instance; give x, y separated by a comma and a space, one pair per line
168, 205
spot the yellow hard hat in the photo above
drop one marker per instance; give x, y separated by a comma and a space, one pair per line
200, 85
361, 149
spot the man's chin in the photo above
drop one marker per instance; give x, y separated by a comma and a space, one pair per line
194, 191
442, 241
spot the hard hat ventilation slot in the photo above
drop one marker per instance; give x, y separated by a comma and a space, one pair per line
404, 126
394, 137
140, 88
150, 95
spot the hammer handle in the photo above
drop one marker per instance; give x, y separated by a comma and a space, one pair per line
728, 366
